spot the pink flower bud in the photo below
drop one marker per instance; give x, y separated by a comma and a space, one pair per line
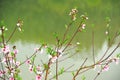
38, 77
28, 61
5, 49
15, 51
11, 78
31, 68
83, 26
17, 63
106, 68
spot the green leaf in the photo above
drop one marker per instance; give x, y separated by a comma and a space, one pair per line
12, 53
118, 55
45, 66
73, 73
34, 69
65, 41
83, 77
33, 58
50, 51
61, 71
55, 34
18, 77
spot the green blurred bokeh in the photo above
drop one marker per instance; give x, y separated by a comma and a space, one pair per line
44, 17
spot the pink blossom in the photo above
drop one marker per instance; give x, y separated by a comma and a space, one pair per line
38, 77
116, 60
1, 73
11, 78
38, 67
17, 63
83, 26
19, 25
36, 49
106, 32
73, 11
31, 68
15, 51
54, 58
106, 68
73, 14
28, 61
5, 49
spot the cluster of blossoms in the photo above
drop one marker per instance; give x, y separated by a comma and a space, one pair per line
73, 14
19, 25
9, 60
105, 66
3, 28
56, 55
36, 69
32, 67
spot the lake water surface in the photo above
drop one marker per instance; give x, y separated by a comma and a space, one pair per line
26, 49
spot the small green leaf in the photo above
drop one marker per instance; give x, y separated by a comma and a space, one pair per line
66, 26
65, 41
55, 34
73, 73
33, 58
83, 77
18, 77
118, 55
45, 66
34, 69
12, 53
50, 51
61, 71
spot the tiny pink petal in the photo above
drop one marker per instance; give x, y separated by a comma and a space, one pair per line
106, 68
11, 78
28, 61
38, 77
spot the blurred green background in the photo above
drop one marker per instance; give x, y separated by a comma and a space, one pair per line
44, 17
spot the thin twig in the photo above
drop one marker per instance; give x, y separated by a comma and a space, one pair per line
47, 70
111, 52
66, 31
79, 69
98, 74
12, 34
110, 43
67, 57
93, 47
63, 71
72, 37
2, 36
30, 56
